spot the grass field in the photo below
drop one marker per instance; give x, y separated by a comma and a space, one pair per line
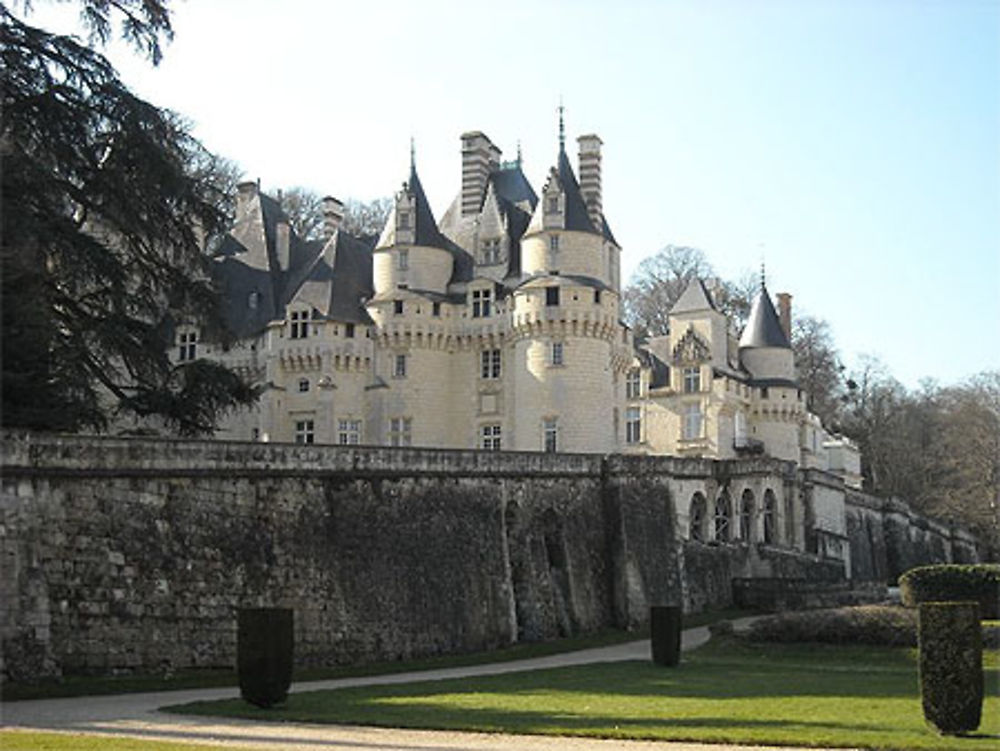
725, 692
20, 740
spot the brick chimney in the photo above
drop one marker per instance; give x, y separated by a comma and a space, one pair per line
479, 158
590, 178
785, 313
333, 215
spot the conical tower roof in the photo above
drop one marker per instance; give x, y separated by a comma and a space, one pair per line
425, 228
763, 328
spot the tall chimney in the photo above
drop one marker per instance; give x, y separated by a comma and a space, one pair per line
479, 158
590, 178
245, 193
785, 313
282, 243
333, 215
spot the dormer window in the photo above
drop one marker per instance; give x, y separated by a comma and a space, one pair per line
552, 207
404, 219
253, 300
299, 328
481, 299
491, 251
692, 380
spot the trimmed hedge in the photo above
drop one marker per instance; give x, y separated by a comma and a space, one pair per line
951, 583
264, 647
951, 666
878, 625
665, 634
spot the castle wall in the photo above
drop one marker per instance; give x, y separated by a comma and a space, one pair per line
135, 554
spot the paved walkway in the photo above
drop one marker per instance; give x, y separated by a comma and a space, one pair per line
138, 715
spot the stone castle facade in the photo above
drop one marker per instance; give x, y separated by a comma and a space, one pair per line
498, 328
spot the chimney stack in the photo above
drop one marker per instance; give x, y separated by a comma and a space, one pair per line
333, 215
785, 313
282, 243
479, 158
245, 193
590, 178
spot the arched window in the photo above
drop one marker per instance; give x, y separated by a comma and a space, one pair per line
696, 525
746, 516
770, 523
789, 522
723, 513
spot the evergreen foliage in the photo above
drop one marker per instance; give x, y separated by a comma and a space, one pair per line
265, 644
975, 582
102, 226
951, 672
665, 634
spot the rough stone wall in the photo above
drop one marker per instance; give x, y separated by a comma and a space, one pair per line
133, 554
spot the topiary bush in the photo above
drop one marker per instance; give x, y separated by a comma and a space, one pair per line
880, 625
665, 634
951, 665
264, 648
952, 583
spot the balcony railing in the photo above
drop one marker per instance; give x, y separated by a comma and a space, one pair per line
745, 445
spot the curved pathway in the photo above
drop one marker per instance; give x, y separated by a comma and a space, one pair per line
138, 715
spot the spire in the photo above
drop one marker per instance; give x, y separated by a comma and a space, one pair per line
518, 152
413, 156
562, 128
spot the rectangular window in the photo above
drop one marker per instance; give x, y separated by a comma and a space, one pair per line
553, 205
436, 309
763, 392
304, 431
551, 295
554, 243
481, 303
557, 353
349, 330
490, 363
633, 425
349, 432
597, 297
399, 366
491, 437
299, 325
404, 219
491, 252
403, 260
550, 435
633, 384
692, 422
401, 431
397, 307
692, 380
188, 347
303, 384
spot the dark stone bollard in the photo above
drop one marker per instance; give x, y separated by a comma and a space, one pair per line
264, 647
665, 634
951, 665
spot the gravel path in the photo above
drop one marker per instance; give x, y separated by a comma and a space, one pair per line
138, 715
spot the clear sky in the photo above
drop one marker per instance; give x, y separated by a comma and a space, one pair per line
853, 145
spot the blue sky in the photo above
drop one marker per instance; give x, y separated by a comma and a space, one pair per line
854, 146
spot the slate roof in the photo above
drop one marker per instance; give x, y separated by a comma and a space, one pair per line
332, 276
763, 327
577, 216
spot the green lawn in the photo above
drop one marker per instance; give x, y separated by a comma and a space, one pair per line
19, 740
724, 692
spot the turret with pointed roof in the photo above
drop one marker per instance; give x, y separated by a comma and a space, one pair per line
764, 348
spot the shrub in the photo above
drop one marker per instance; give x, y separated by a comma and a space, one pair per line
951, 659
665, 634
880, 625
264, 649
942, 583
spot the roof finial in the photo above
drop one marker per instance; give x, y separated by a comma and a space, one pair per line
518, 152
763, 273
562, 128
413, 155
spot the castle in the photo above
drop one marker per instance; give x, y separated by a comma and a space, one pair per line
497, 328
